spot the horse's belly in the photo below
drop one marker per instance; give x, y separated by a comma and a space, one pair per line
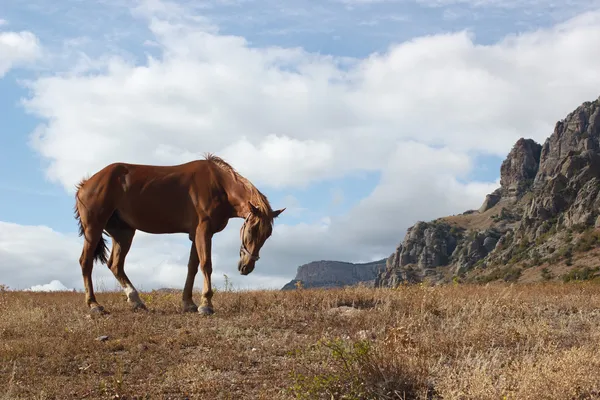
155, 219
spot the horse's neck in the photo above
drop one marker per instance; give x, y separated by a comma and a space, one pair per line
239, 196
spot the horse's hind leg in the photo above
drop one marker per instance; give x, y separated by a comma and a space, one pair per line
193, 263
93, 237
122, 238
95, 202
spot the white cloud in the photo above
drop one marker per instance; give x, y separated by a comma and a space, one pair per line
297, 162
17, 49
31, 254
285, 117
417, 113
54, 286
419, 183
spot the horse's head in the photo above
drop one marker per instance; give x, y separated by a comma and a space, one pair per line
255, 231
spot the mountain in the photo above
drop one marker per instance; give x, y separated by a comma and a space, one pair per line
327, 274
540, 224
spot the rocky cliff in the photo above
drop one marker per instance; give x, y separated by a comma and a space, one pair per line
540, 224
326, 274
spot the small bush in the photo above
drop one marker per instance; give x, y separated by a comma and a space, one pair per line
569, 259
581, 274
544, 237
512, 274
507, 274
363, 370
566, 252
587, 241
546, 274
580, 228
536, 259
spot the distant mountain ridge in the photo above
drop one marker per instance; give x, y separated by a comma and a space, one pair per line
328, 274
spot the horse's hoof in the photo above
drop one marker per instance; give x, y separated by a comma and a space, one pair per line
204, 310
190, 308
98, 310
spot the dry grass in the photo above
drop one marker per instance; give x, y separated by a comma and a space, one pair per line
475, 221
452, 342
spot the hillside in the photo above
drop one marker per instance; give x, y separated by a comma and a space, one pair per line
329, 274
541, 224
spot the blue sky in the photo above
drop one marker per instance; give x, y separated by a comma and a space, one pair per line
416, 126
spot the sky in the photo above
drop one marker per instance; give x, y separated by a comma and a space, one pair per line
360, 117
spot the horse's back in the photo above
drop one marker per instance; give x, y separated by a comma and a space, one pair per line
132, 173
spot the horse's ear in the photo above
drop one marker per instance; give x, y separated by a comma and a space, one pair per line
277, 212
253, 209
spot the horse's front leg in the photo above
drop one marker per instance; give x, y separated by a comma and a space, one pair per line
203, 246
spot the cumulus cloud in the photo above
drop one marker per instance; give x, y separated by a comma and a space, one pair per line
285, 117
54, 286
31, 254
417, 113
17, 49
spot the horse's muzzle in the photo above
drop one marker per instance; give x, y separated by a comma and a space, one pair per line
245, 269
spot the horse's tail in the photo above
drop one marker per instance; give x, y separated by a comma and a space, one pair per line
101, 250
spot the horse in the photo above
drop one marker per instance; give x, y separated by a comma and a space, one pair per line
197, 198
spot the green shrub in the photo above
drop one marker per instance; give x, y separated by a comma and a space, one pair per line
566, 252
359, 370
581, 274
508, 274
512, 274
546, 274
580, 228
587, 241
544, 237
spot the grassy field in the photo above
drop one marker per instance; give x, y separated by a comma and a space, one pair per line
537, 341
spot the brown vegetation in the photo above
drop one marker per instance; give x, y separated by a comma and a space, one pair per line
453, 342
475, 220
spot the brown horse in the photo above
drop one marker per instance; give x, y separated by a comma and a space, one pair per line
197, 198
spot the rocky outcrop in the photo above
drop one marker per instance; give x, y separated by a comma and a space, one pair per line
517, 174
491, 200
519, 169
544, 192
567, 183
579, 132
425, 247
434, 249
328, 274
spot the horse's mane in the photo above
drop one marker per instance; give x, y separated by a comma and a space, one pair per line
256, 197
